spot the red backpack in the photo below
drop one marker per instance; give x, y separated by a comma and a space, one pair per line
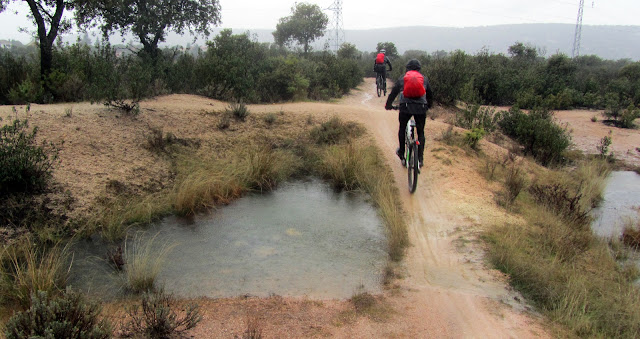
380, 58
413, 85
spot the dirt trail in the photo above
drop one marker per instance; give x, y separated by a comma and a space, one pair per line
446, 274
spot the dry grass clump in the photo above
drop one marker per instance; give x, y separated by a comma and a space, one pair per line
335, 131
555, 261
27, 269
631, 236
144, 259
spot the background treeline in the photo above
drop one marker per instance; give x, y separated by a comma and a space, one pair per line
233, 67
523, 77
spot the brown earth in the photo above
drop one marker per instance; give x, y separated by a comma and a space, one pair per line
446, 288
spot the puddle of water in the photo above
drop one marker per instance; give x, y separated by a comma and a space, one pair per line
621, 200
302, 239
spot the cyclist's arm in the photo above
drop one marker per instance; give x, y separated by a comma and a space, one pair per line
386, 60
429, 92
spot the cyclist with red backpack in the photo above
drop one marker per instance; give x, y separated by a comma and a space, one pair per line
380, 65
416, 97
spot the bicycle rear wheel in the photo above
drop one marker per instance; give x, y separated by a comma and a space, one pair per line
379, 85
412, 167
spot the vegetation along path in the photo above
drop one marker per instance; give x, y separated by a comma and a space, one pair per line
442, 288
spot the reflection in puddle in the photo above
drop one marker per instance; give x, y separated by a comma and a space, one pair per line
302, 239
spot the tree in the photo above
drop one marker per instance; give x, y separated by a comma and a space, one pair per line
389, 47
149, 20
305, 24
46, 13
348, 51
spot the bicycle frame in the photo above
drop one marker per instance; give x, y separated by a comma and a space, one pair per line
411, 147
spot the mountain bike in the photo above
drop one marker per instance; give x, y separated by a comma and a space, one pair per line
411, 145
381, 84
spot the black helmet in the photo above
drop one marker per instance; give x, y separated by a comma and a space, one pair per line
413, 65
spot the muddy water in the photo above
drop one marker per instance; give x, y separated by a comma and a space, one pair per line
300, 240
620, 205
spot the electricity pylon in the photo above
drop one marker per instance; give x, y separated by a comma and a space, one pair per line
338, 27
578, 34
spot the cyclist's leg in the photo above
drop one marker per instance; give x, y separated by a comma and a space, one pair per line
420, 122
403, 118
384, 77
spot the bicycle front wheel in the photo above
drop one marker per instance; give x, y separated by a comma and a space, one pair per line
412, 167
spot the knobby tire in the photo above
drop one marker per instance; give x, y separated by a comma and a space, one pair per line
412, 167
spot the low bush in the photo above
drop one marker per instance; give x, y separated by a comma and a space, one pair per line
69, 316
476, 116
515, 182
537, 132
473, 137
25, 165
156, 317
334, 131
238, 110
558, 198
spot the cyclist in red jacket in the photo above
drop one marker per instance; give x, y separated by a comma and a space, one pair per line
380, 65
415, 99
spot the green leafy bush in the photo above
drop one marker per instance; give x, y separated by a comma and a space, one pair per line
473, 137
25, 166
537, 132
476, 116
69, 316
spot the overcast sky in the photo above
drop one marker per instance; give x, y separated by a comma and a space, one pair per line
367, 14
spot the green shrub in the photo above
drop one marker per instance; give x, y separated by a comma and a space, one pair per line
477, 116
603, 147
473, 137
69, 316
537, 132
25, 166
25, 92
157, 318
628, 116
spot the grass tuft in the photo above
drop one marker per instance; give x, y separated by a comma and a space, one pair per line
144, 260
28, 269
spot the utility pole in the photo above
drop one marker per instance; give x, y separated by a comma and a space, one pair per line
578, 34
338, 27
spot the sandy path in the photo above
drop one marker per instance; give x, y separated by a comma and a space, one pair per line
447, 284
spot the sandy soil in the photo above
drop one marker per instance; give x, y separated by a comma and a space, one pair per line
446, 288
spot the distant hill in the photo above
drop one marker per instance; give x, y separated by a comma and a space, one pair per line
608, 42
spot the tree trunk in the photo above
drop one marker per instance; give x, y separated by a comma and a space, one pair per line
46, 38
